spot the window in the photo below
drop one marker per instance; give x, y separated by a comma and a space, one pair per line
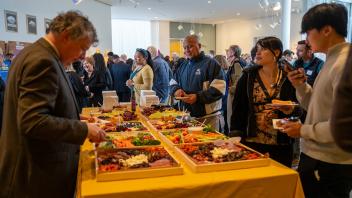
127, 35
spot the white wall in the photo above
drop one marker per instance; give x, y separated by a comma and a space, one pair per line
242, 33
164, 37
160, 36
98, 13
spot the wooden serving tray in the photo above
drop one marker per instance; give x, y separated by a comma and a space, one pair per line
137, 173
222, 166
132, 133
168, 142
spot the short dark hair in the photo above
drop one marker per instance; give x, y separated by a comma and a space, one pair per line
75, 24
110, 54
115, 56
304, 42
271, 43
319, 16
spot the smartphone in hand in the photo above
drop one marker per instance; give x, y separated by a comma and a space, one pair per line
288, 67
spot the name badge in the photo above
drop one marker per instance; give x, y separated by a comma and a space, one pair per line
197, 72
309, 72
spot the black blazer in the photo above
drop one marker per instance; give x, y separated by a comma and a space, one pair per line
120, 73
2, 92
96, 83
78, 87
41, 132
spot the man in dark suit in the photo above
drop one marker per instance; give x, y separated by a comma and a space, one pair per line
120, 73
41, 132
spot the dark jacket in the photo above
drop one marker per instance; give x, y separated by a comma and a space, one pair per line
243, 121
120, 73
312, 69
2, 93
202, 76
78, 87
108, 80
41, 132
162, 76
341, 118
96, 83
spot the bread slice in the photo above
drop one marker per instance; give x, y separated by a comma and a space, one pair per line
282, 102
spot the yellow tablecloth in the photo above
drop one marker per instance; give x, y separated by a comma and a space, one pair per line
271, 181
274, 181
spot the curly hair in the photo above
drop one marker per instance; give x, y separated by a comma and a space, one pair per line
75, 24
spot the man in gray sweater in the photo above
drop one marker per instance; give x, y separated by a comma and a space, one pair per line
324, 168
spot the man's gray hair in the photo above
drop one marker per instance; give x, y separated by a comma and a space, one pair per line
237, 51
153, 51
192, 37
75, 24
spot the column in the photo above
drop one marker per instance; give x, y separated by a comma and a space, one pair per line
286, 23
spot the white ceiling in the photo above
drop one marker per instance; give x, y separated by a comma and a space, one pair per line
204, 11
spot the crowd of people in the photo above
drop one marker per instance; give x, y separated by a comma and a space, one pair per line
41, 131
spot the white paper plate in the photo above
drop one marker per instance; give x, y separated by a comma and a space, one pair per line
275, 124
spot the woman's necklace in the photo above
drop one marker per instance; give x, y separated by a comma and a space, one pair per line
273, 84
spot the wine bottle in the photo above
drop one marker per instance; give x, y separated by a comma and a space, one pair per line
133, 101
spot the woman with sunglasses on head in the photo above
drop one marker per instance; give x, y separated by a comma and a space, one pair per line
142, 75
258, 86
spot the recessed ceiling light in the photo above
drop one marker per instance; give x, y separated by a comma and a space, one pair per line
180, 27
238, 14
277, 6
258, 26
209, 2
149, 8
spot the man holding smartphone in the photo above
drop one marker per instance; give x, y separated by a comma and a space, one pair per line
306, 59
325, 170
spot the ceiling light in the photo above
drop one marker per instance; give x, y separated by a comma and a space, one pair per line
274, 24
277, 6
200, 34
238, 14
180, 27
156, 17
258, 26
209, 2
191, 32
149, 8
263, 3
76, 2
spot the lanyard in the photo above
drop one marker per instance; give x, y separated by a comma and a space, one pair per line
134, 73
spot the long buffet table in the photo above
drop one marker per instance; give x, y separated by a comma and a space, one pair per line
274, 180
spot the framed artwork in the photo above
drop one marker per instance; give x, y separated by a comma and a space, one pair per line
47, 24
31, 22
11, 23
